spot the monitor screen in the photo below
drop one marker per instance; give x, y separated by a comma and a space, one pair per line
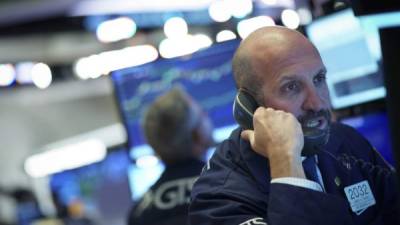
374, 127
205, 75
350, 49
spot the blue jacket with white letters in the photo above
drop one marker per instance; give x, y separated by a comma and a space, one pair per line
235, 188
167, 201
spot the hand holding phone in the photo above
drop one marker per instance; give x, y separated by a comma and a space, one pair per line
277, 135
243, 110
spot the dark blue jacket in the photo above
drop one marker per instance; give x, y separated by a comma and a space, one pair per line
235, 187
167, 201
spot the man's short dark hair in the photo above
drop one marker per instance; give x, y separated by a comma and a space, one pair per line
168, 125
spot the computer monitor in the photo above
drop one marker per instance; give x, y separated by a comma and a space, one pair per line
350, 49
374, 127
391, 54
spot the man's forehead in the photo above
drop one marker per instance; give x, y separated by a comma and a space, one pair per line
280, 68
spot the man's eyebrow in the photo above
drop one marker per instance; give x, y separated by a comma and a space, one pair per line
287, 78
284, 78
322, 70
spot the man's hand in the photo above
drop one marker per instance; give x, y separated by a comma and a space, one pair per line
277, 136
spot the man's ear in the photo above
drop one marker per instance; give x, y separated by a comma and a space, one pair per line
197, 136
202, 136
197, 142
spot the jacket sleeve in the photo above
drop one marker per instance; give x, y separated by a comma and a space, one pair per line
223, 209
225, 195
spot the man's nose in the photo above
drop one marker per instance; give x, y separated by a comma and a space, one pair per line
313, 101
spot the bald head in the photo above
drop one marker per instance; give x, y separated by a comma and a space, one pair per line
267, 45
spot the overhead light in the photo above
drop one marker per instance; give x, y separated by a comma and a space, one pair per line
96, 7
240, 8
95, 61
41, 75
304, 15
225, 35
290, 18
187, 45
219, 12
64, 158
175, 27
128, 57
201, 41
270, 2
90, 67
223, 10
105, 62
24, 72
280, 3
168, 47
245, 27
7, 74
82, 68
116, 29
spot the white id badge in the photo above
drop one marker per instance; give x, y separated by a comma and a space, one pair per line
359, 196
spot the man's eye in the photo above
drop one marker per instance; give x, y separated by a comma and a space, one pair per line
319, 78
292, 86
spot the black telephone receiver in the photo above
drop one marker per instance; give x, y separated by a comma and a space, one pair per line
243, 110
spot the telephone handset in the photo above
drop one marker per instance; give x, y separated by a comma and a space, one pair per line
243, 109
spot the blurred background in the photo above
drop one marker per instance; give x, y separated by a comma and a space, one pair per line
76, 76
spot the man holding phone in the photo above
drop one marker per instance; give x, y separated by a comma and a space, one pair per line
267, 174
